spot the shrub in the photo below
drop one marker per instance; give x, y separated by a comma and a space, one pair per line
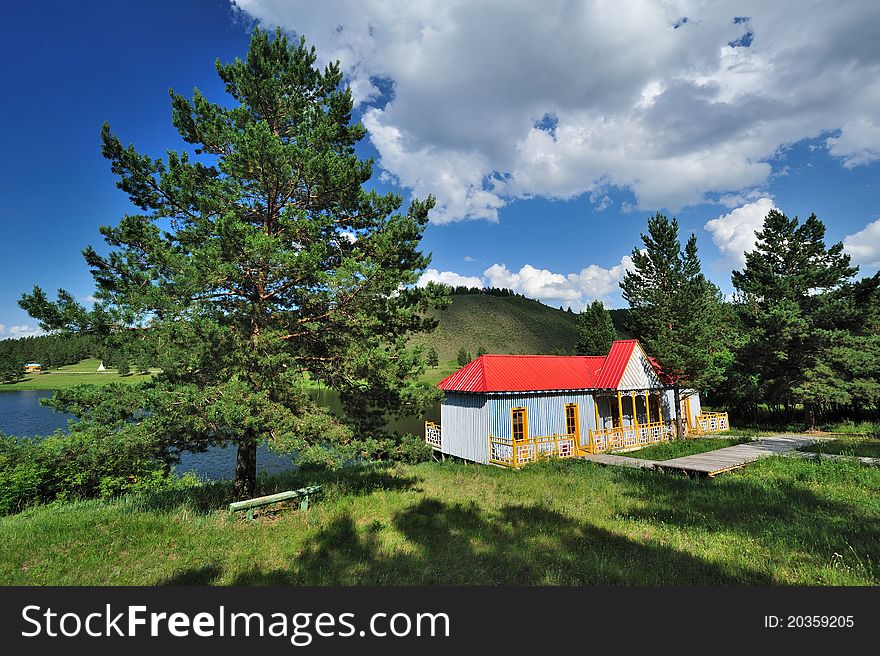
80, 465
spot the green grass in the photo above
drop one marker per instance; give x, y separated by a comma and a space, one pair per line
680, 448
70, 375
777, 521
866, 428
847, 445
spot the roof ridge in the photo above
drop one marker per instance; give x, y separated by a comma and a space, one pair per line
534, 355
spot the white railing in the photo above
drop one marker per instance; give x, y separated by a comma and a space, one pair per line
505, 451
711, 422
433, 435
630, 437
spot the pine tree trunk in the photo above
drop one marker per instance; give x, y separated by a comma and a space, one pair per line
676, 392
246, 468
810, 416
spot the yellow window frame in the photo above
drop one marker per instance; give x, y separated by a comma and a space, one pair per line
524, 422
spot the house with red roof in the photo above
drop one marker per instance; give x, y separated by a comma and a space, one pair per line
514, 409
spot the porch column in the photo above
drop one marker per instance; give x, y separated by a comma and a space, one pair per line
620, 408
647, 407
596, 408
632, 398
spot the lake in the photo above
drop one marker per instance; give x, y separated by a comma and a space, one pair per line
21, 414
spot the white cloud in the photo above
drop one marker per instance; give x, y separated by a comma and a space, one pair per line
858, 143
25, 330
449, 278
575, 289
468, 258
734, 233
864, 246
670, 113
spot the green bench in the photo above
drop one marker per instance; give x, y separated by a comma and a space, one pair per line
302, 494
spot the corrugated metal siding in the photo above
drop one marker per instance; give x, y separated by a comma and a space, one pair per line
546, 413
464, 422
638, 374
669, 405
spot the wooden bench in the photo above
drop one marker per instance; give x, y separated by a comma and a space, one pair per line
302, 494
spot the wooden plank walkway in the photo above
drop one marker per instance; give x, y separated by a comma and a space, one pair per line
715, 462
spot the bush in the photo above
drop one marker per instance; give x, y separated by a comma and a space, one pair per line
80, 465
390, 447
412, 449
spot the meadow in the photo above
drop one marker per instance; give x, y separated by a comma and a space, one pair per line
780, 521
86, 371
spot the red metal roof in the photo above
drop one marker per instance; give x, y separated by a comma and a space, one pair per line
541, 373
525, 373
615, 363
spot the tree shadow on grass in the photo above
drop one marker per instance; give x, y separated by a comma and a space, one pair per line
206, 575
779, 512
356, 480
462, 544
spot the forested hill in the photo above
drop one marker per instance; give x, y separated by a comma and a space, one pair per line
503, 324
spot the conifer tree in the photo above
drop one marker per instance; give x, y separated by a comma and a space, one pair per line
674, 308
595, 330
804, 324
257, 264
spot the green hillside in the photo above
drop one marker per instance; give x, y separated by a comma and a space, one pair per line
498, 324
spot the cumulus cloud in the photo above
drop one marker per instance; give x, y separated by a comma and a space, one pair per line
864, 246
858, 143
734, 233
449, 278
575, 289
506, 99
24, 330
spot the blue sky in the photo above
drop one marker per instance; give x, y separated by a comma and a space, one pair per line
548, 135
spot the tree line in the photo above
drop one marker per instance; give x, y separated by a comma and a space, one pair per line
50, 351
460, 290
801, 334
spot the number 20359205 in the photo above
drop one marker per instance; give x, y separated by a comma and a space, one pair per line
809, 621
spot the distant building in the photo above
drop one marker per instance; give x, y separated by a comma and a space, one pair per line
101, 367
33, 367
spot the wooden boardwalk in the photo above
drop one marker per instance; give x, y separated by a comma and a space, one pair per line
715, 462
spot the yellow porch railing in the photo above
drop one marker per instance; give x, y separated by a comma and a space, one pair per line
516, 453
630, 437
711, 422
433, 435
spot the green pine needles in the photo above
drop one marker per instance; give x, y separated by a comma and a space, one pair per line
257, 265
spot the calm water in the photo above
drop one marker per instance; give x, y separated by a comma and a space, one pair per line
21, 414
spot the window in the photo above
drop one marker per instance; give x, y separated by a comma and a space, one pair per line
571, 419
520, 424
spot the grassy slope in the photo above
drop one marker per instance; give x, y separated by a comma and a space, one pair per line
778, 521
83, 372
500, 325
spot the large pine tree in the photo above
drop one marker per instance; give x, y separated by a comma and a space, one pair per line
258, 265
809, 341
674, 308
